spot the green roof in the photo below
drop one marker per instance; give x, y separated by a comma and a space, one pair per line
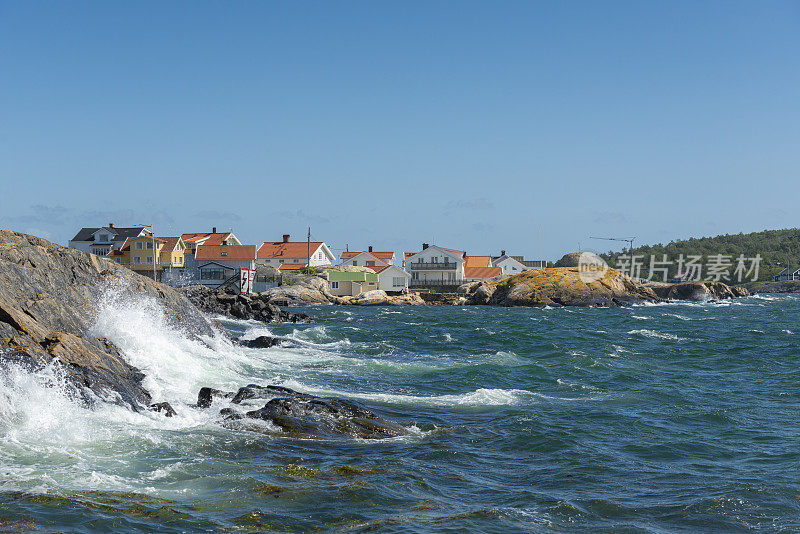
338, 276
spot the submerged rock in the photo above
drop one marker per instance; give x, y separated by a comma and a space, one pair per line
207, 395
300, 415
49, 298
263, 342
165, 407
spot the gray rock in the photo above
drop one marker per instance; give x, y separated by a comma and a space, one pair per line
49, 298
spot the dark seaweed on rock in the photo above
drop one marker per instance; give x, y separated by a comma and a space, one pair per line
227, 301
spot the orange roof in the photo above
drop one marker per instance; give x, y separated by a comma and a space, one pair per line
205, 238
232, 252
408, 254
291, 266
482, 272
478, 261
169, 242
378, 268
281, 250
379, 255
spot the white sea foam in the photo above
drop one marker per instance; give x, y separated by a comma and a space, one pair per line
655, 335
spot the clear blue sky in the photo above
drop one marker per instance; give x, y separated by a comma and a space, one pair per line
472, 125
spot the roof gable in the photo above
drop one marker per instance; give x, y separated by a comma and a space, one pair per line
457, 254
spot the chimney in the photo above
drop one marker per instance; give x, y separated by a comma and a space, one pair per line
424, 246
502, 252
111, 225
285, 238
370, 248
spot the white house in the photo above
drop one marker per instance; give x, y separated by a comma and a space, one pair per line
435, 265
275, 254
392, 278
102, 241
515, 264
367, 258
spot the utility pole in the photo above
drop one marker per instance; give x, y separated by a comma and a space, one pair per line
308, 252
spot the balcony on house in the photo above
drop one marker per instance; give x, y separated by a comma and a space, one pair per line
431, 266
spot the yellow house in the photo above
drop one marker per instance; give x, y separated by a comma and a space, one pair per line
139, 254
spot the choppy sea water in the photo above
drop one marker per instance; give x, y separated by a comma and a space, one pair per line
644, 419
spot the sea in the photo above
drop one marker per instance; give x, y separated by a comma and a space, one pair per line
680, 417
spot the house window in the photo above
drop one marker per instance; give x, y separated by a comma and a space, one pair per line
119, 260
149, 245
370, 264
296, 261
150, 259
371, 283
212, 273
139, 245
355, 263
281, 261
223, 254
334, 285
398, 281
137, 260
446, 260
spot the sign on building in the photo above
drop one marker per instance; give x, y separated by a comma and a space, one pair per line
246, 277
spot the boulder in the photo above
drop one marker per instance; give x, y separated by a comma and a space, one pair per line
295, 414
49, 298
370, 298
165, 407
207, 395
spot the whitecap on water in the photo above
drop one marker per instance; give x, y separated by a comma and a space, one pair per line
655, 335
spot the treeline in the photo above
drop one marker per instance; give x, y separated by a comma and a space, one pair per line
777, 248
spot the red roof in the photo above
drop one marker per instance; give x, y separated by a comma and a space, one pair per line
205, 238
378, 268
281, 250
379, 255
291, 266
231, 252
482, 272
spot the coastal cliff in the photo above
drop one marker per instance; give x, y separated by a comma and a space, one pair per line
49, 298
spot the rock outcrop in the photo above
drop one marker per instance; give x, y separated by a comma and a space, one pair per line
561, 286
302, 289
49, 298
786, 286
229, 302
699, 290
378, 297
299, 415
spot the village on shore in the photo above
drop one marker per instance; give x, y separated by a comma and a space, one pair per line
215, 259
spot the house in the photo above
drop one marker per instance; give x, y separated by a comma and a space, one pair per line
391, 278
436, 265
151, 256
367, 258
345, 284
275, 254
515, 264
101, 241
784, 275
209, 238
217, 263
477, 268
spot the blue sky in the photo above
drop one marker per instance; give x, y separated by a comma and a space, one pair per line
525, 126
